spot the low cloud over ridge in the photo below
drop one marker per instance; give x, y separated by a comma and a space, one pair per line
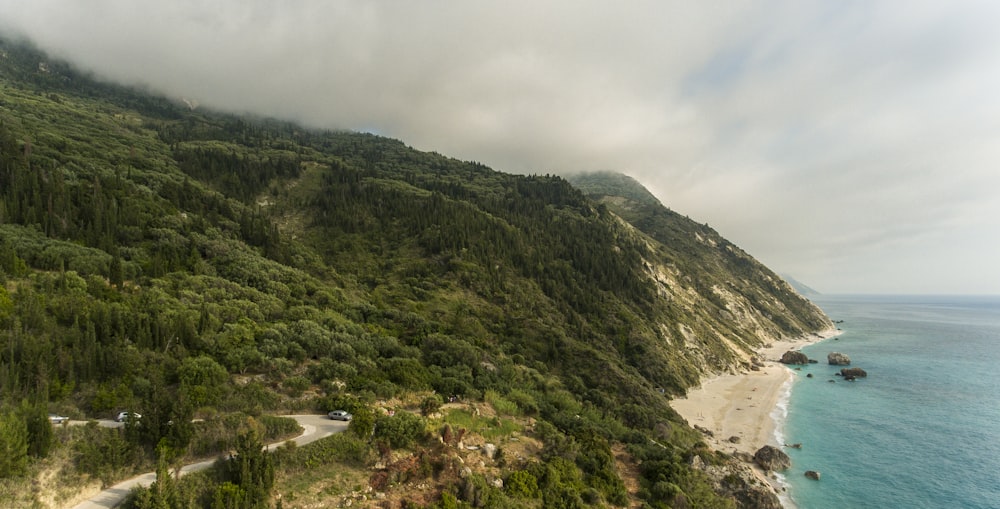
851, 144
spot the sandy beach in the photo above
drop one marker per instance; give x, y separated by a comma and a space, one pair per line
741, 405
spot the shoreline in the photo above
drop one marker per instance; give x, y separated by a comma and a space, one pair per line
743, 410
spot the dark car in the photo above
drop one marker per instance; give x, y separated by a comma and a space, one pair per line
339, 415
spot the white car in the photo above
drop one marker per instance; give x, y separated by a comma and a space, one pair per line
127, 416
57, 419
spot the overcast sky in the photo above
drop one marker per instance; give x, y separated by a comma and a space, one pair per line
854, 145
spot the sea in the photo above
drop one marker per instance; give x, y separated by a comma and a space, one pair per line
922, 430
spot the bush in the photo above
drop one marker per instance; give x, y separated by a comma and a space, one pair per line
522, 484
295, 385
525, 402
502, 405
342, 447
431, 404
276, 427
400, 430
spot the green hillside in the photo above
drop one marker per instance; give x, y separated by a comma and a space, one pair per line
187, 264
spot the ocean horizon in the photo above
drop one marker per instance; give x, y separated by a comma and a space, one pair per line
922, 430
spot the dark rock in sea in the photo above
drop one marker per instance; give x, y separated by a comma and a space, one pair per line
810, 375
794, 357
794, 446
813, 361
812, 474
838, 359
832, 381
853, 372
772, 458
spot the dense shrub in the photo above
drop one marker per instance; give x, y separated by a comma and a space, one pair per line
400, 430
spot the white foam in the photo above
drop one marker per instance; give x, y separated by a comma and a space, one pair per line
779, 417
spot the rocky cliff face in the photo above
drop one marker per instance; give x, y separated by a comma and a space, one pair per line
722, 302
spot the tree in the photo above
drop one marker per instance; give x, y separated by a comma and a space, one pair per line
38, 429
250, 473
202, 380
6, 307
13, 446
362, 423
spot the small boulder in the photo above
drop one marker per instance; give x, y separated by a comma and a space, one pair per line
794, 357
838, 359
853, 372
810, 375
772, 458
812, 474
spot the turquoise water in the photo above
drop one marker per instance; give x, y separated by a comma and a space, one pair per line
923, 430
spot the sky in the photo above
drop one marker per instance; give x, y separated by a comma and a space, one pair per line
851, 144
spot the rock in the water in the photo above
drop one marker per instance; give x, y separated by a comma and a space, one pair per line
812, 474
838, 359
853, 372
772, 458
810, 375
794, 357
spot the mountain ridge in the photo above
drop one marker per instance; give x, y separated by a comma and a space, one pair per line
188, 263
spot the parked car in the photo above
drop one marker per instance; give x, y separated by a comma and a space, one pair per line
57, 419
127, 416
339, 415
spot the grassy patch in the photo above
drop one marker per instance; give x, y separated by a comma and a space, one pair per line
490, 428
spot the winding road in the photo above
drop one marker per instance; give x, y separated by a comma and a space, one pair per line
315, 427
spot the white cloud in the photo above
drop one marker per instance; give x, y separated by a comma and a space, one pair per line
853, 144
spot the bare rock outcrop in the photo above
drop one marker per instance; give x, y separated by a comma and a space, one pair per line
838, 359
794, 357
739, 482
772, 458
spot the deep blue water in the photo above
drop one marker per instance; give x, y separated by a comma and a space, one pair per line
923, 429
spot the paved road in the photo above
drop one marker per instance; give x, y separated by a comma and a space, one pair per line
315, 427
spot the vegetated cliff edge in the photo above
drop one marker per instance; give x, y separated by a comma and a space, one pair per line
142, 241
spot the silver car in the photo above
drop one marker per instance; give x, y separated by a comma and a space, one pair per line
339, 415
127, 416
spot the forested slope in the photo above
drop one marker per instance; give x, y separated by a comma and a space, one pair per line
184, 263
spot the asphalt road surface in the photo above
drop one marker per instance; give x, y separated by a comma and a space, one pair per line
315, 427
